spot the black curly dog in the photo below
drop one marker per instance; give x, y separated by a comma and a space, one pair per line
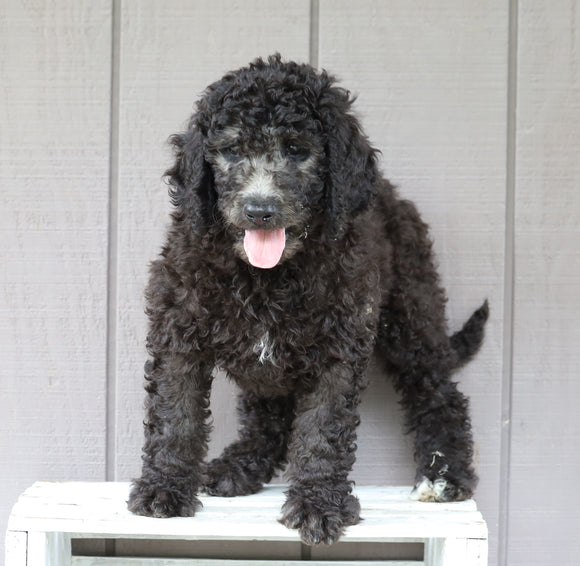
288, 261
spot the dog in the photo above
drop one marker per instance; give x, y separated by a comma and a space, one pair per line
288, 262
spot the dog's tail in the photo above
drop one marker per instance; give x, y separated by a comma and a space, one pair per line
467, 341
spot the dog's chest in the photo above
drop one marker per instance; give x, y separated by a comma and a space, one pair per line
264, 349
271, 338
261, 340
262, 360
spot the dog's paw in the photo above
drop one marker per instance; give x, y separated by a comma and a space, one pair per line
441, 479
320, 519
160, 501
225, 478
440, 490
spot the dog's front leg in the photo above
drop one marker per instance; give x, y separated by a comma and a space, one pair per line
321, 454
176, 433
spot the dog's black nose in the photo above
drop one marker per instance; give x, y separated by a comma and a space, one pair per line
260, 213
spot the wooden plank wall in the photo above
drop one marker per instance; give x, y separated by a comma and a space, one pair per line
544, 508
54, 194
476, 109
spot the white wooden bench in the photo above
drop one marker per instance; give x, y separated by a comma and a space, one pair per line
48, 516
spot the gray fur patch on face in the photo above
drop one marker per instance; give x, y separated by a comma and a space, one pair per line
261, 182
279, 169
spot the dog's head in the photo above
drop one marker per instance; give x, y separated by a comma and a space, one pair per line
272, 153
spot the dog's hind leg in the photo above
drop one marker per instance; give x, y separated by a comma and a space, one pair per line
412, 340
251, 461
436, 411
420, 357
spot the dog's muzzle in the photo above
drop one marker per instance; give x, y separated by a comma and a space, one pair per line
265, 235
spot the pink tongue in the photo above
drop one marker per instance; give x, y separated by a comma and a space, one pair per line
264, 248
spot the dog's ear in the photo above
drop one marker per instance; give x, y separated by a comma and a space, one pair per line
351, 161
191, 186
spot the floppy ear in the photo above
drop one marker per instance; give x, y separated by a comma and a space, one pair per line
191, 181
352, 170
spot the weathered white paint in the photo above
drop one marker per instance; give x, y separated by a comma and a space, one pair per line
104, 561
456, 552
54, 513
15, 548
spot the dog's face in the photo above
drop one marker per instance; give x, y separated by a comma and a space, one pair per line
272, 153
269, 184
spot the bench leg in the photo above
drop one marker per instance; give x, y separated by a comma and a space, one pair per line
48, 549
15, 548
456, 552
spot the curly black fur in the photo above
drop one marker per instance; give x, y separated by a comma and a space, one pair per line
274, 152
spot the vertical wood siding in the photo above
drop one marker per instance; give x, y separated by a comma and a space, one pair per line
54, 191
91, 90
544, 510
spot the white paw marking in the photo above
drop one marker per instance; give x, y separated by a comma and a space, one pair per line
427, 490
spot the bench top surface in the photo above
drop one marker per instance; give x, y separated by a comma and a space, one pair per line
99, 510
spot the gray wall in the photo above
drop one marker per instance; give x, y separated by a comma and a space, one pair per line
475, 106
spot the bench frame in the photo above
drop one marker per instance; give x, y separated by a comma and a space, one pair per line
48, 516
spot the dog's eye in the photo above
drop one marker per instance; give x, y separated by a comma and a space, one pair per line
230, 154
296, 151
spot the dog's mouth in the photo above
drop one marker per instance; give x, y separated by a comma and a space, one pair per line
264, 248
